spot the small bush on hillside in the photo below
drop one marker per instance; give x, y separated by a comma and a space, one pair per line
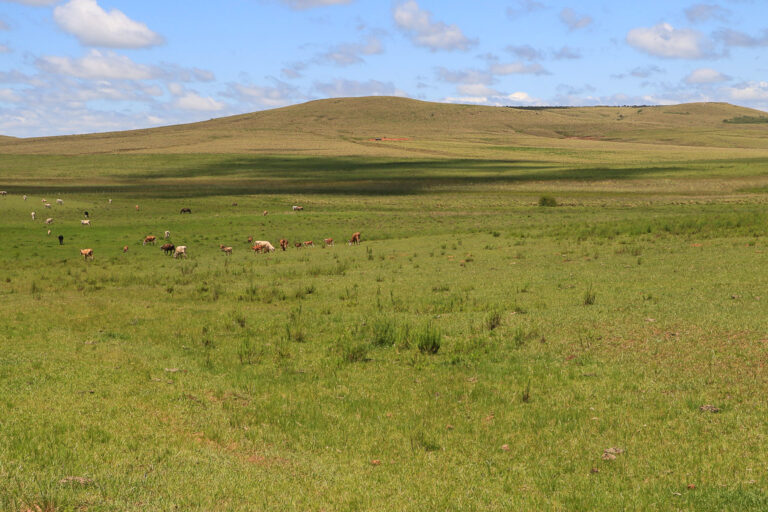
493, 320
547, 201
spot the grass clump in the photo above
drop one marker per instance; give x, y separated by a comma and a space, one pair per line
428, 339
547, 201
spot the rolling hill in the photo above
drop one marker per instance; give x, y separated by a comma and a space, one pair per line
389, 126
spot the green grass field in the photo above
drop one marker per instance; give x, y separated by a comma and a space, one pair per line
476, 352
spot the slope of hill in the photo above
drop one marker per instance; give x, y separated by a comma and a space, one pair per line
387, 126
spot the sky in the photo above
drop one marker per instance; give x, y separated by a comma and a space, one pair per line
82, 66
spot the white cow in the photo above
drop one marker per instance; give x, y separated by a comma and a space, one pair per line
298, 208
181, 250
85, 222
49, 220
268, 246
25, 197
167, 235
33, 215
47, 205
59, 201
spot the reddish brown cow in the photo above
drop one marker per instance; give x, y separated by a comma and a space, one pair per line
86, 253
298, 245
283, 243
226, 250
168, 248
309, 243
125, 249
355, 240
328, 241
149, 240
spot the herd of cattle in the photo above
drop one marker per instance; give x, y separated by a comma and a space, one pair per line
180, 251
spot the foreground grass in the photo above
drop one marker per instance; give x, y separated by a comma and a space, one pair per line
307, 380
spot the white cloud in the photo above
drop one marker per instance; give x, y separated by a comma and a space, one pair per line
706, 76
664, 40
346, 88
525, 7
735, 38
190, 100
97, 65
573, 20
9, 95
566, 53
417, 23
278, 95
699, 13
350, 53
518, 68
308, 4
470, 76
93, 26
750, 91
496, 98
476, 90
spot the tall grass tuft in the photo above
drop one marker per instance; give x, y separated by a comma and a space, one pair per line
428, 339
547, 201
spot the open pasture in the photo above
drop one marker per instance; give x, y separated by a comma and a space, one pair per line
476, 351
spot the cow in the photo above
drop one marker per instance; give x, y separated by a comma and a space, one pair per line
168, 249
109, 201
47, 205
328, 241
149, 240
234, 204
86, 253
33, 215
59, 201
3, 193
85, 222
265, 213
226, 250
25, 197
61, 239
137, 207
298, 208
167, 235
49, 232
186, 210
298, 245
125, 249
355, 240
283, 243
309, 243
180, 251
266, 246
44, 200
49, 220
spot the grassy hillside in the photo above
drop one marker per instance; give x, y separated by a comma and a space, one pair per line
349, 126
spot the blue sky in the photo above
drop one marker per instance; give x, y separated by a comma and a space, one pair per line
78, 66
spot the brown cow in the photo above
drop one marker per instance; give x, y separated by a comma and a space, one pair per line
226, 250
298, 245
309, 243
86, 253
328, 241
283, 243
168, 249
125, 249
355, 240
149, 240
265, 213
186, 210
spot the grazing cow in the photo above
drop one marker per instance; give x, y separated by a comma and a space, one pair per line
59, 201
137, 207
298, 208
265, 213
186, 210
298, 245
49, 220
309, 243
328, 241
85, 222
168, 249
47, 205
167, 235
3, 193
61, 239
44, 200
25, 197
149, 240
355, 240
85, 214
87, 253
109, 201
250, 239
180, 251
33, 215
234, 204
266, 246
125, 249
283, 243
226, 250
49, 232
